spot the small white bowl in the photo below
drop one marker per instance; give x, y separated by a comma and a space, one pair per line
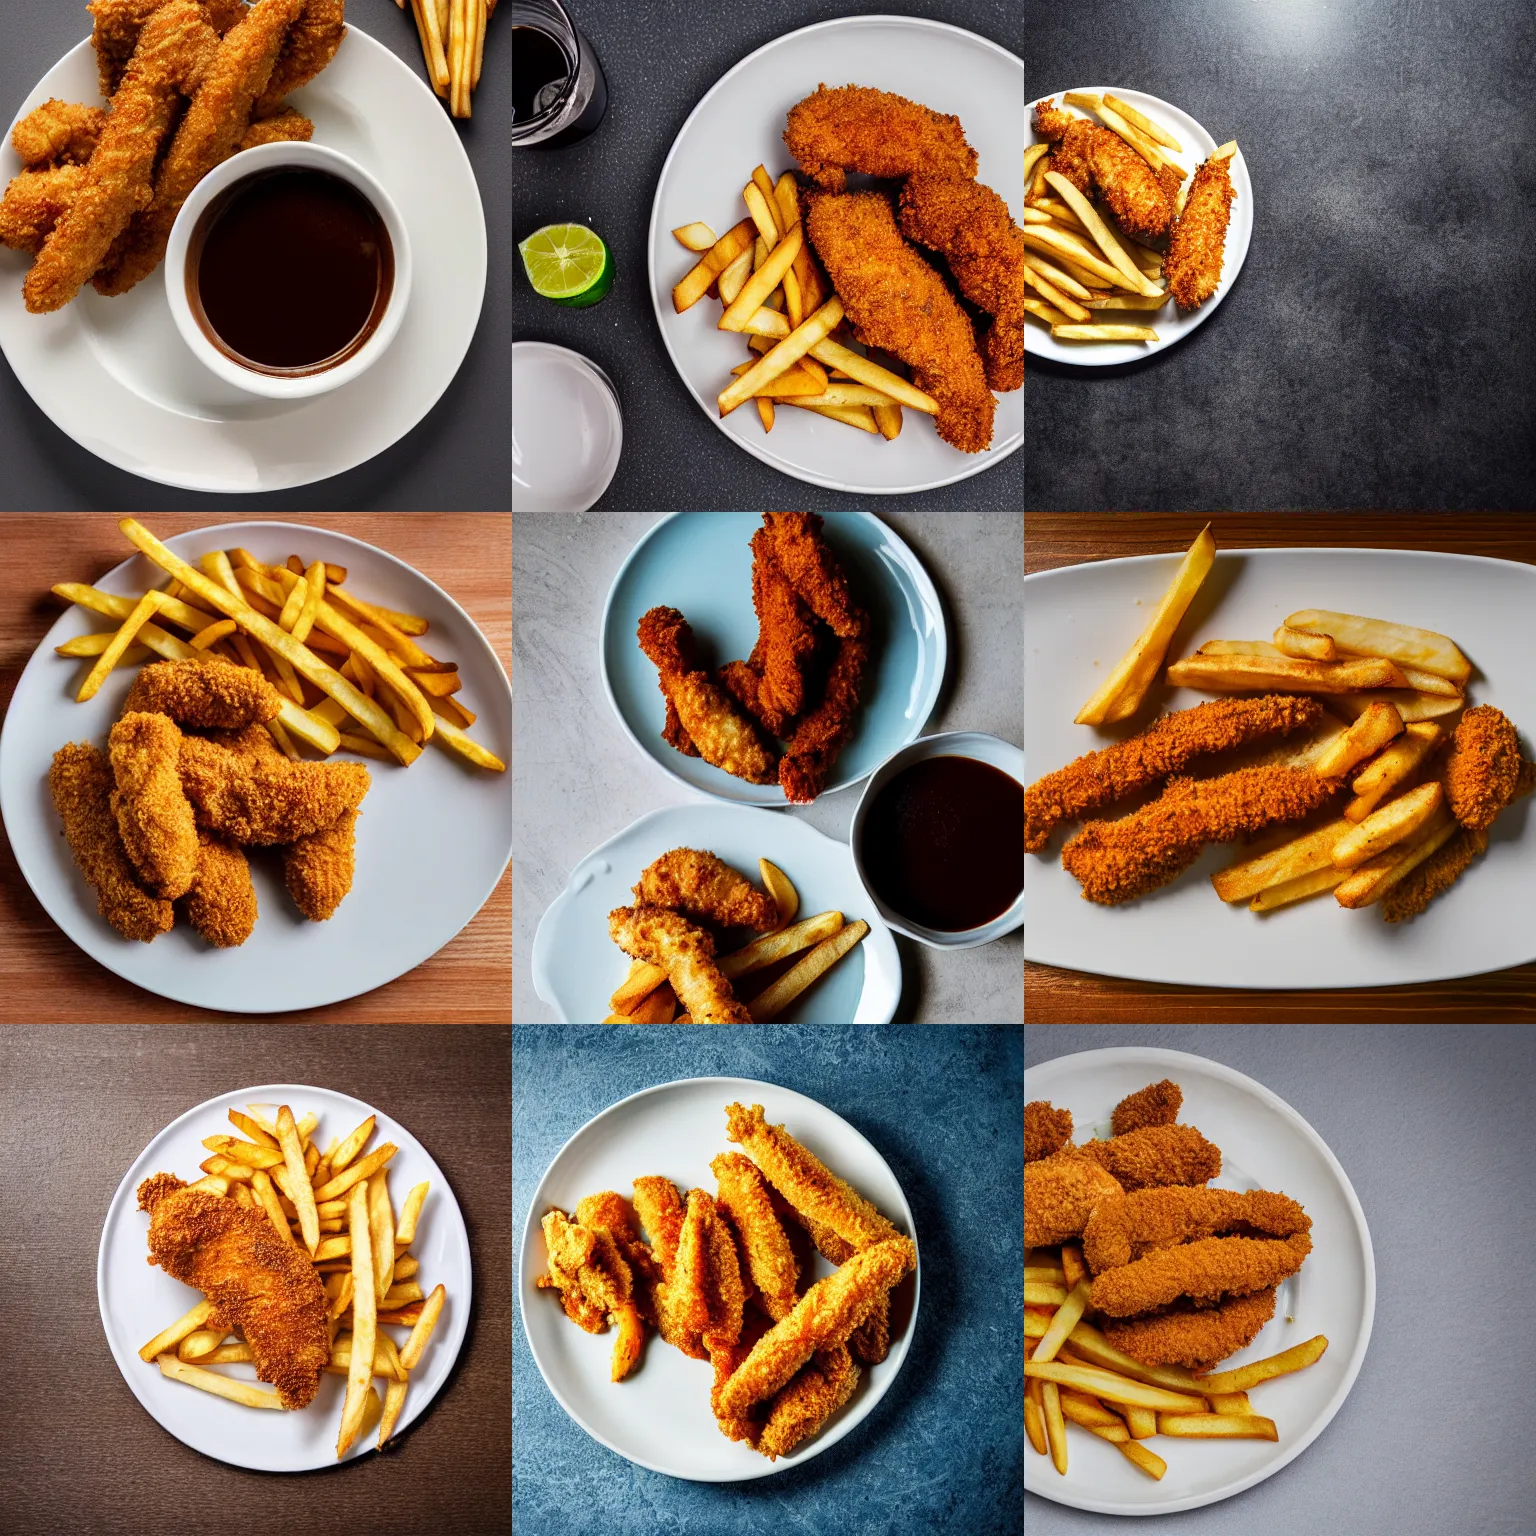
991, 750
567, 429
251, 162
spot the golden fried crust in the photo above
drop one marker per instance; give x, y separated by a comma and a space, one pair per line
208, 694
1156, 1104
1206, 1270
222, 902
686, 953
58, 131
267, 800
311, 45
696, 883
803, 1180
1046, 1130
822, 1319
1194, 1337
819, 1389
257, 1282
1060, 1193
1157, 1155
318, 869
1198, 242
858, 128
770, 1260
1125, 1229
1438, 873
34, 203
1483, 770
154, 816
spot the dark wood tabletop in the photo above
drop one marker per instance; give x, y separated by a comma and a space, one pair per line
468, 981
1054, 996
77, 1106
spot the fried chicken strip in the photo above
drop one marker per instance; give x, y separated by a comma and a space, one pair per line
771, 686
154, 816
80, 782
287, 127
211, 693
1483, 769
1117, 861
1156, 1104
686, 953
118, 24
595, 1284
1175, 741
970, 226
1205, 1270
1060, 1193
318, 869
823, 733
221, 904
1198, 242
816, 1392
696, 883
34, 203
661, 1212
174, 48
1129, 1227
58, 131
898, 303
266, 800
771, 1265
1156, 1155
1046, 1130
857, 128
1194, 1337
723, 734
310, 46
794, 544
257, 1282
1095, 160
208, 135
822, 1319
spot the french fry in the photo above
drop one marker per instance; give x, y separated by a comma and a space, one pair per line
1139, 120
771, 1002
725, 250
764, 281
220, 1386
1103, 333
364, 1321
183, 1327
788, 352
1102, 237
302, 1194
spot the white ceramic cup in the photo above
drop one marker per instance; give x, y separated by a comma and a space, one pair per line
250, 162
991, 750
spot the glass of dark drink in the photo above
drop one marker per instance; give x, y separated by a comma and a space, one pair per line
559, 94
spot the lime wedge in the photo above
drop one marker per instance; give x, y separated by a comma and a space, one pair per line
569, 264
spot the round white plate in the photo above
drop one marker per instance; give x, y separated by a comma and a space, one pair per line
1264, 1144
701, 564
577, 967
432, 841
115, 375
138, 1299
567, 431
739, 124
1171, 323
1078, 620
659, 1416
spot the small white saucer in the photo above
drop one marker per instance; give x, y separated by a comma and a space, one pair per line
567, 429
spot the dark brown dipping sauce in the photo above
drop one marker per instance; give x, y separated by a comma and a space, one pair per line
944, 843
290, 271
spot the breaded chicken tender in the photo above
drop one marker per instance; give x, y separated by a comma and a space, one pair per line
154, 816
686, 953
266, 800
1483, 769
58, 131
34, 203
1046, 1130
1157, 1155
1193, 1337
1205, 1270
696, 883
209, 693
1060, 1194
221, 904
1125, 1229
1156, 1104
817, 1391
857, 128
318, 869
1198, 242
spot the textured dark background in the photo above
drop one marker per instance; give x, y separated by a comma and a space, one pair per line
1372, 352
944, 1449
1433, 1127
77, 1106
659, 60
458, 459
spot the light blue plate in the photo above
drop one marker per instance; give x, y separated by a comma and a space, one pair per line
701, 564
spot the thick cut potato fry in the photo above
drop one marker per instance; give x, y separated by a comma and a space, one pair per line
1392, 767
787, 353
1303, 855
1245, 1377
1412, 706
1115, 1389
1140, 120
1299, 889
1255, 674
1215, 1426
764, 281
1370, 881
1368, 735
695, 237
220, 1386
1358, 636
1310, 647
770, 1003
1396, 821
1123, 691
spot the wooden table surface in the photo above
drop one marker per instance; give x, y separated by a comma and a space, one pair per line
468, 981
77, 1106
1054, 996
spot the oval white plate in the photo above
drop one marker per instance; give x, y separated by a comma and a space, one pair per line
1081, 619
114, 375
138, 1299
738, 124
577, 967
1171, 323
701, 564
567, 429
659, 1416
1264, 1144
432, 841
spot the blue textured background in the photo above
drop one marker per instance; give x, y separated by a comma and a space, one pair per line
943, 1451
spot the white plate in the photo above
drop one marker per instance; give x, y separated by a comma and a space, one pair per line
1080, 620
1264, 1144
115, 375
567, 432
659, 1416
740, 124
432, 841
577, 967
1171, 323
137, 1299
701, 564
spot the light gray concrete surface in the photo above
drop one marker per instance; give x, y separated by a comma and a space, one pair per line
1433, 1125
577, 780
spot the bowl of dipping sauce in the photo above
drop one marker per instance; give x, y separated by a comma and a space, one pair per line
288, 271
938, 839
